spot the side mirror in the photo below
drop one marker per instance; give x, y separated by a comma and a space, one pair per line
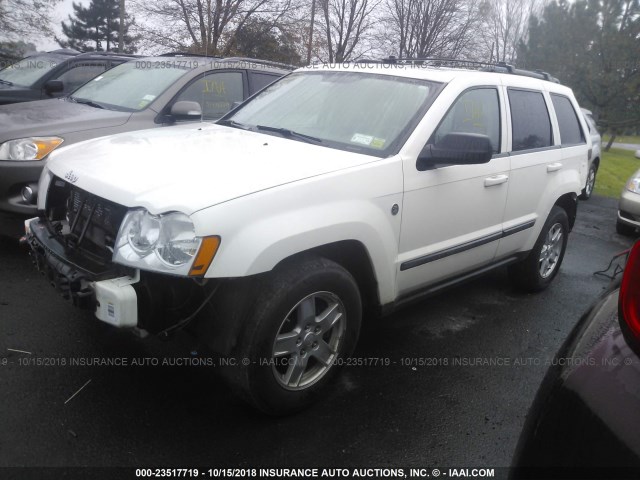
456, 149
186, 110
53, 86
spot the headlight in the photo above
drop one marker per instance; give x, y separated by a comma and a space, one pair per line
33, 148
633, 185
165, 243
178, 245
143, 231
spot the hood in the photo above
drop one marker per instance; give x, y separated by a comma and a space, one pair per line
54, 117
190, 167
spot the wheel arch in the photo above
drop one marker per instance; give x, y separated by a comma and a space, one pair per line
569, 203
352, 255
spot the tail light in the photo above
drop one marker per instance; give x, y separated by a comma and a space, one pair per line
629, 299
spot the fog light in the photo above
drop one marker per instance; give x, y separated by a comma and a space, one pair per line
30, 194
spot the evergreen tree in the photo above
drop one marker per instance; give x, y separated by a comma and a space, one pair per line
593, 46
96, 27
263, 40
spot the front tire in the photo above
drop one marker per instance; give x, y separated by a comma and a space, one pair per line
305, 320
587, 191
538, 270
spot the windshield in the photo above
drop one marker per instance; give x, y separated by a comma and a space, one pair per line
29, 70
361, 112
130, 86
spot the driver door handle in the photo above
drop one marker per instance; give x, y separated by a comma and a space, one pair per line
554, 167
497, 180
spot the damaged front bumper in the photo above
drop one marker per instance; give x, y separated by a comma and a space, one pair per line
107, 290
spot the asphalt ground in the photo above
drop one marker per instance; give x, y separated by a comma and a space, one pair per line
454, 379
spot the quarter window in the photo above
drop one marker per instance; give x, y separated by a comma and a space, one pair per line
530, 120
258, 81
570, 130
475, 111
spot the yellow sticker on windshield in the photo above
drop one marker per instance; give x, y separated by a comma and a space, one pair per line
143, 103
378, 142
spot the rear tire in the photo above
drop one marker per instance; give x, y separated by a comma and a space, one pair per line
587, 191
304, 321
624, 229
538, 270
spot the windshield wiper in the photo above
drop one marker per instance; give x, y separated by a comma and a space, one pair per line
6, 82
285, 132
84, 101
234, 124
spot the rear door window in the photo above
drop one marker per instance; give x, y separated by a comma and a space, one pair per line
531, 126
570, 130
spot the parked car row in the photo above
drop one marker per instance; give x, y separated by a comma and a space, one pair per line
140, 94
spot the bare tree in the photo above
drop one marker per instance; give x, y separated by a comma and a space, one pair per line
345, 24
202, 26
25, 19
430, 28
504, 25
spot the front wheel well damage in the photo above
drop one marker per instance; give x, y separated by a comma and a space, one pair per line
220, 325
351, 255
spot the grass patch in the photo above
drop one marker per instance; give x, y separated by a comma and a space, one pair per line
616, 167
635, 139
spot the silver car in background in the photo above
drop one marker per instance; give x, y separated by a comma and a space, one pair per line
629, 205
594, 159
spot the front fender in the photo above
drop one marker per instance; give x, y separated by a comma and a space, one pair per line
261, 230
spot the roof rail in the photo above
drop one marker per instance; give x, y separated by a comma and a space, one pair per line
110, 54
435, 61
231, 59
269, 63
65, 51
185, 54
496, 67
502, 67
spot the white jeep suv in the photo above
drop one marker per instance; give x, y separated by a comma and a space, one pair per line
334, 189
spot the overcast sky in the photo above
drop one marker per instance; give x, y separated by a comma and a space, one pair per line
62, 12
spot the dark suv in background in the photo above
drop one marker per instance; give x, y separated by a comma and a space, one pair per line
53, 74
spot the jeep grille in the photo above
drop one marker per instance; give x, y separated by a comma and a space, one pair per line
83, 222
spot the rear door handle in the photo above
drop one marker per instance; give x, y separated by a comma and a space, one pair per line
554, 167
497, 180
